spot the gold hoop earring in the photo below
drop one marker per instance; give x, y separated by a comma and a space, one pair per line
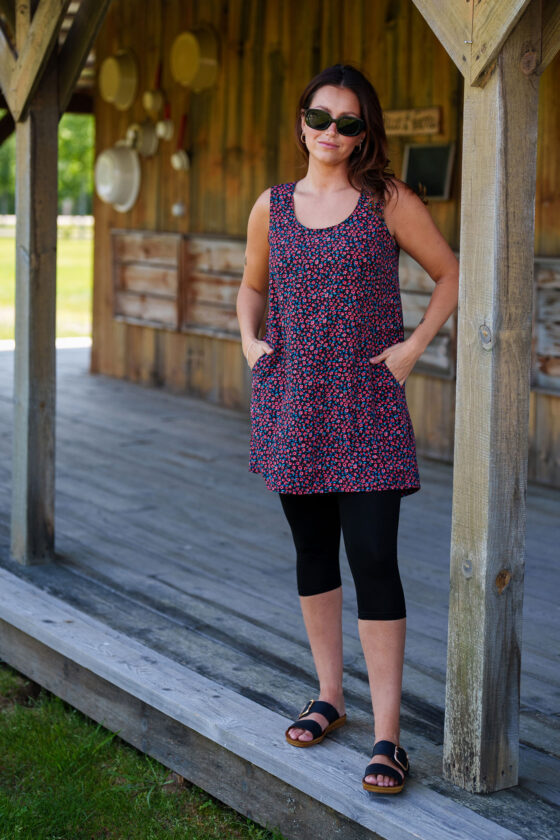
358, 148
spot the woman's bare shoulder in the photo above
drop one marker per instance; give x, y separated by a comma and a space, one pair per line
260, 213
402, 206
262, 204
398, 192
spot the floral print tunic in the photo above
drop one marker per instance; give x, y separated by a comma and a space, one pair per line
323, 417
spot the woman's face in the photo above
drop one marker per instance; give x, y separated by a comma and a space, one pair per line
329, 146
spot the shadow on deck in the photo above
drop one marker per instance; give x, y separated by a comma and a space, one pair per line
171, 615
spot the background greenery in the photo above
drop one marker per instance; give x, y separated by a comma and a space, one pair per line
75, 166
63, 777
74, 255
74, 286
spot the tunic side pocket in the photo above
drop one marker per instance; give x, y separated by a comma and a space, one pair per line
390, 374
260, 361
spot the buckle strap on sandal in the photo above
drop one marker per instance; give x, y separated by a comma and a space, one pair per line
320, 707
393, 751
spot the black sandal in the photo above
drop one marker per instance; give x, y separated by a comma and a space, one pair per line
399, 756
321, 707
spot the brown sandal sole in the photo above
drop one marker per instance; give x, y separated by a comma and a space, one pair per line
332, 726
379, 789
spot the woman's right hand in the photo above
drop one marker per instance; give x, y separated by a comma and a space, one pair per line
255, 350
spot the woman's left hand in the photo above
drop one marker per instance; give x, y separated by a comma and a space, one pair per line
400, 359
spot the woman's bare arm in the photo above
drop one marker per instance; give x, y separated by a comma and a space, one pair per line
253, 291
410, 222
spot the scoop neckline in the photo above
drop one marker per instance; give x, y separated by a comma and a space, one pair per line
329, 227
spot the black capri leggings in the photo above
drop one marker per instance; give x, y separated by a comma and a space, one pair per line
369, 522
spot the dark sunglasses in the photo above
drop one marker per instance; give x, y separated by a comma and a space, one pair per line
320, 120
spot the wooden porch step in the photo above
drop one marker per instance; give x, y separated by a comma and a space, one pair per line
231, 746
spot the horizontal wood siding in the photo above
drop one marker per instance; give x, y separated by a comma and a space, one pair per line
146, 268
240, 139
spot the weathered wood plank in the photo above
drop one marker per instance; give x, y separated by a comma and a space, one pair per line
215, 254
7, 70
492, 23
213, 712
36, 43
453, 29
499, 147
214, 288
148, 309
199, 312
145, 246
147, 278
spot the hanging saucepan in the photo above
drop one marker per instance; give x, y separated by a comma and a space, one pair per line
118, 79
143, 138
117, 176
194, 58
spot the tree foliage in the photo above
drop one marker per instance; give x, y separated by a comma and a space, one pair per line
75, 166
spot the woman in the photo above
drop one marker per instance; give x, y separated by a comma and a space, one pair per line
330, 427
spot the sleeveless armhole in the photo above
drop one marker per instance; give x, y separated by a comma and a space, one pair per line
273, 210
378, 208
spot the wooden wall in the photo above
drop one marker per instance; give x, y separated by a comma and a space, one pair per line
240, 140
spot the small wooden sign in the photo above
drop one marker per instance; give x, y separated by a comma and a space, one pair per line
413, 121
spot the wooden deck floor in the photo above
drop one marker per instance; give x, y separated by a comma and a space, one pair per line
165, 539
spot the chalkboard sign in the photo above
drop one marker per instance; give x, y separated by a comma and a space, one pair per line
429, 167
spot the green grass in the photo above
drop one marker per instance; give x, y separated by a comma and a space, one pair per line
74, 286
63, 777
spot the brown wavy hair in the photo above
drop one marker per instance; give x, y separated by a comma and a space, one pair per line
367, 168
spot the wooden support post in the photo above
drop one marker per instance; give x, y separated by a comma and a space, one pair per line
32, 534
494, 350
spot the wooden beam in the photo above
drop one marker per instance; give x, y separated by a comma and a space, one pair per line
32, 524
34, 52
7, 66
473, 33
76, 47
550, 32
492, 411
492, 23
453, 27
